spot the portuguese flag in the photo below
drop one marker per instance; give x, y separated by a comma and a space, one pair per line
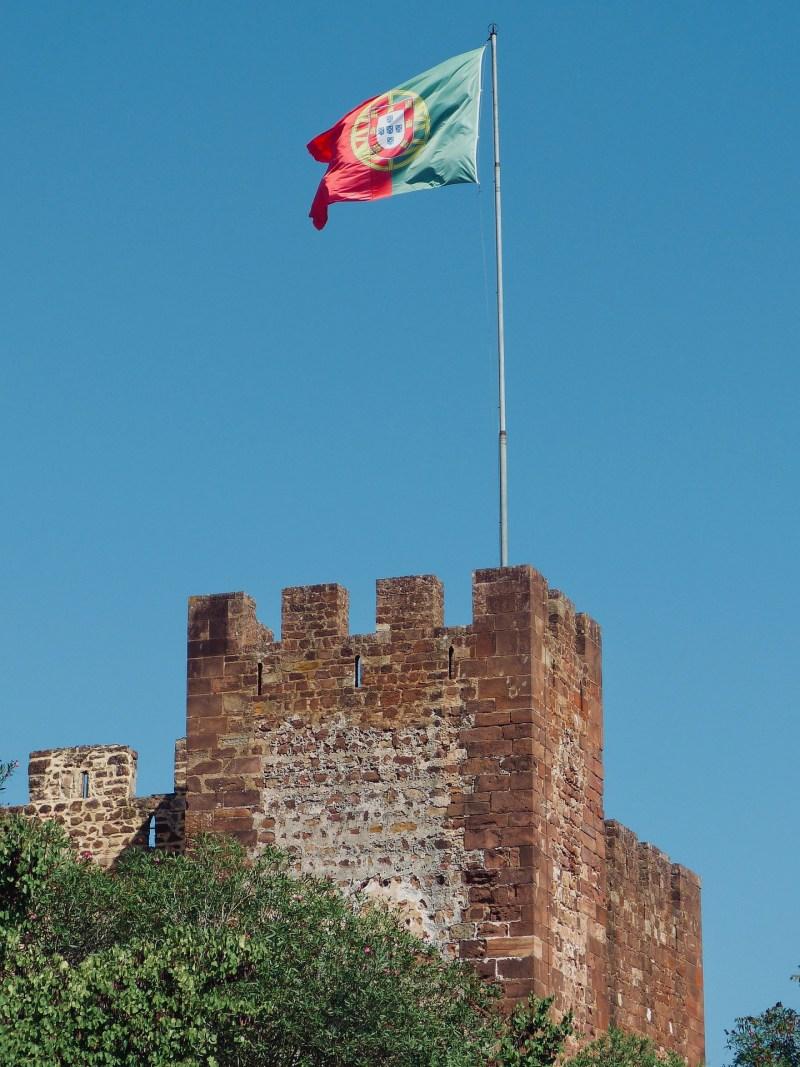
419, 135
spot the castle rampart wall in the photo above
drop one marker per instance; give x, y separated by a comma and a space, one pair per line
655, 964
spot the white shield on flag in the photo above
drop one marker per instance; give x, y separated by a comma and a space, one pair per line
391, 126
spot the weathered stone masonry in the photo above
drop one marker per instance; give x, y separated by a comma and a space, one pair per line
91, 789
455, 771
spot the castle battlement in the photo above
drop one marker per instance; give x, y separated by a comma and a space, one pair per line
86, 772
455, 772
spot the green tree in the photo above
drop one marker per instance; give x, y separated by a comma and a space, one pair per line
619, 1049
209, 959
771, 1039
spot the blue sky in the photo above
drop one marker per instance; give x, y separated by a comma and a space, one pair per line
198, 392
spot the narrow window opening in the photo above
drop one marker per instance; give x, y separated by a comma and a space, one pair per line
451, 663
151, 832
84, 785
357, 673
260, 678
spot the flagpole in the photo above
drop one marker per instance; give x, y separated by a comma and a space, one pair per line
501, 341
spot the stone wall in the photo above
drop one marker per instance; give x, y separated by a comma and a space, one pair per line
90, 789
343, 748
534, 795
655, 966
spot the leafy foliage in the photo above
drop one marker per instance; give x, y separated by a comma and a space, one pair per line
620, 1049
209, 959
531, 1035
771, 1039
6, 770
31, 860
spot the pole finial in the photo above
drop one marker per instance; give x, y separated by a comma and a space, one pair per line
492, 29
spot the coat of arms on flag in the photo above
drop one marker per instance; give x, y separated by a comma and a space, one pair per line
390, 130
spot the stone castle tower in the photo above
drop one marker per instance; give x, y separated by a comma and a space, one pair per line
455, 771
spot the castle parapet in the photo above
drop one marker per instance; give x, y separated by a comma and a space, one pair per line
314, 613
412, 603
87, 772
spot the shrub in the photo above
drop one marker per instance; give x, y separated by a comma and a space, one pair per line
619, 1049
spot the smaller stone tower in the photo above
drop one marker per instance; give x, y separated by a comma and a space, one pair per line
91, 790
